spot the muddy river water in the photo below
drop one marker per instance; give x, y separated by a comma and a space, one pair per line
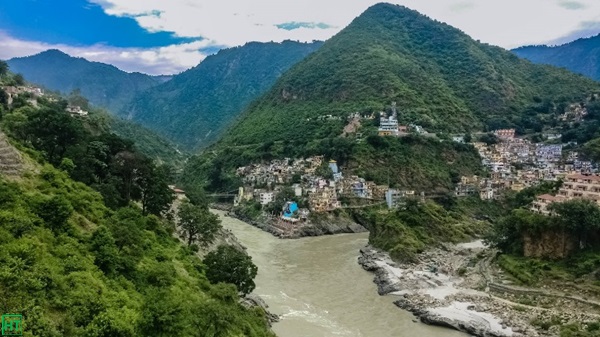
319, 290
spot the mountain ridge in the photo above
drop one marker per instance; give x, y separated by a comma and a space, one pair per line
103, 84
196, 105
581, 56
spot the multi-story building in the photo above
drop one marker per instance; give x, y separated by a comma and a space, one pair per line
266, 198
581, 186
505, 133
576, 186
394, 198
323, 200
540, 205
388, 126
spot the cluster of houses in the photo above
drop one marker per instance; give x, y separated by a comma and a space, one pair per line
262, 183
33, 93
516, 163
575, 186
575, 113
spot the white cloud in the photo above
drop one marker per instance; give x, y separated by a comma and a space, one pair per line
508, 23
165, 60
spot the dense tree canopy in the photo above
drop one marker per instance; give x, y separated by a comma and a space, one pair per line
199, 223
229, 265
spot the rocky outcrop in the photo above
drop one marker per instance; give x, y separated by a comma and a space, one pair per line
329, 226
549, 244
458, 287
254, 301
431, 292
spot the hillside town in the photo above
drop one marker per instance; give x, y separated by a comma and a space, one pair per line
516, 163
512, 164
317, 184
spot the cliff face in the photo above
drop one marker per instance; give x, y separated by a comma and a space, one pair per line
549, 244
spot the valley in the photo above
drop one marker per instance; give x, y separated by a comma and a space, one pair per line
398, 178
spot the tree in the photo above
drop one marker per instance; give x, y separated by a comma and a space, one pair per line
3, 98
126, 166
199, 224
230, 265
19, 79
489, 139
156, 194
53, 132
197, 196
286, 194
3, 68
106, 251
75, 98
55, 211
580, 217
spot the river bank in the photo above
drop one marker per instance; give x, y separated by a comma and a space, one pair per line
325, 224
451, 286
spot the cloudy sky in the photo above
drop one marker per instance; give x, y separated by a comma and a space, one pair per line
169, 36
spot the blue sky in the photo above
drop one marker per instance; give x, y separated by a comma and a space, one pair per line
78, 23
163, 37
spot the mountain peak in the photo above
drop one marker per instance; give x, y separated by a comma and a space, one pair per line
54, 52
440, 78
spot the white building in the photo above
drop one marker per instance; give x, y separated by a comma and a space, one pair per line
266, 198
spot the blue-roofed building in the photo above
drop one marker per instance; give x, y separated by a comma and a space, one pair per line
289, 209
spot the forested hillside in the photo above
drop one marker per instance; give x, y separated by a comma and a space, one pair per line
148, 142
87, 248
104, 85
197, 105
581, 56
439, 77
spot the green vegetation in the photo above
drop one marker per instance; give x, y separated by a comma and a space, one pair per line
75, 267
229, 265
578, 56
577, 330
417, 226
410, 162
575, 223
104, 85
526, 196
196, 106
87, 149
439, 77
148, 142
199, 223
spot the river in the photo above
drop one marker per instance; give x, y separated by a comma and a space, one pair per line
319, 290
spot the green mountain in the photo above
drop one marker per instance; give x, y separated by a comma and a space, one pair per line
439, 77
197, 105
581, 56
104, 85
148, 142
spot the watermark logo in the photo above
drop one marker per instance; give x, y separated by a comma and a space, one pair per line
12, 325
